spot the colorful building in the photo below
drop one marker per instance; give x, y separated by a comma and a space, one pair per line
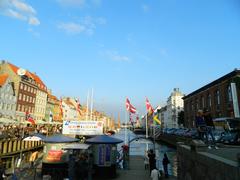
7, 98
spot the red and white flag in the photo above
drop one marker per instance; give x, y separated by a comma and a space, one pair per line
29, 118
130, 107
148, 106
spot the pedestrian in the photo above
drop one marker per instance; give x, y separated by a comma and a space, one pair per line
155, 175
165, 163
146, 160
2, 170
201, 126
32, 158
210, 127
152, 160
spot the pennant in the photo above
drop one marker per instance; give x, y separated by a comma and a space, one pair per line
130, 107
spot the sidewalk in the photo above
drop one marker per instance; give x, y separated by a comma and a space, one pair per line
136, 171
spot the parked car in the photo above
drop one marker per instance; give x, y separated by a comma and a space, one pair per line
230, 138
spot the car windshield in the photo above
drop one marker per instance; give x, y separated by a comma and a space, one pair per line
234, 123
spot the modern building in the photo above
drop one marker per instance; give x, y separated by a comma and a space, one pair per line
8, 98
220, 97
174, 106
163, 115
25, 88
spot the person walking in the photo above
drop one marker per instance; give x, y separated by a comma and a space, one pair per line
155, 175
210, 127
165, 163
152, 160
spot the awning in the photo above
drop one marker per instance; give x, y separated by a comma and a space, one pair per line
76, 146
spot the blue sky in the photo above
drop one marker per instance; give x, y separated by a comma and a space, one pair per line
122, 48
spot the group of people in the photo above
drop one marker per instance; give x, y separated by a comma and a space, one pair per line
205, 127
150, 163
13, 131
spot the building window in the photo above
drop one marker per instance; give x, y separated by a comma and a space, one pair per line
24, 97
22, 109
229, 93
28, 89
209, 101
27, 99
1, 105
19, 107
20, 96
21, 86
203, 102
217, 97
197, 104
25, 87
30, 99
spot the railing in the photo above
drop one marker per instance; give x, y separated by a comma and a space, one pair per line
15, 146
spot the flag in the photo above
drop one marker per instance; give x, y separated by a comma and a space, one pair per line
130, 107
78, 106
148, 106
29, 118
155, 118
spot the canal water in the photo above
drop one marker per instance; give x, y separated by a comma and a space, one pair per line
139, 147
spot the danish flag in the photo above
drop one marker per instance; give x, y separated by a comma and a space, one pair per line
29, 118
148, 106
130, 107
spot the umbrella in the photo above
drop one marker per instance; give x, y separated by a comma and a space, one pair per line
103, 139
32, 138
59, 138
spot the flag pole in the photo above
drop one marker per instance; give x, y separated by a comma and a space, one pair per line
91, 106
87, 106
125, 127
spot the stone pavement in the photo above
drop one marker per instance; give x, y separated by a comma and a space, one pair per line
136, 171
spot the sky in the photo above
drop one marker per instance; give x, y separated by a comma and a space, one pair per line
122, 48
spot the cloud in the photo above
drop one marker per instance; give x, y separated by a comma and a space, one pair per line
86, 25
79, 3
115, 56
71, 27
72, 3
145, 8
19, 10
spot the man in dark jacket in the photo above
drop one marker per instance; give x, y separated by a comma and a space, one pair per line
210, 127
201, 125
152, 160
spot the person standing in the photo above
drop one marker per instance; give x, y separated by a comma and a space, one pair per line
152, 160
165, 163
201, 126
146, 161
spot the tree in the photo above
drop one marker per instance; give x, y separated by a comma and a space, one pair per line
181, 118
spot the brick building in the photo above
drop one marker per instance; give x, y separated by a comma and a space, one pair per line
215, 97
25, 88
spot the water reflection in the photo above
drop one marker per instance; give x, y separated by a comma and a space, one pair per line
139, 147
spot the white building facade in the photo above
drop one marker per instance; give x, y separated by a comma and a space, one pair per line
69, 110
174, 106
7, 98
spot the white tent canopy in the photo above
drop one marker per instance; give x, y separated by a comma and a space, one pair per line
32, 138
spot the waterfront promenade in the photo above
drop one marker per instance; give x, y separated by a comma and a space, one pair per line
136, 171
